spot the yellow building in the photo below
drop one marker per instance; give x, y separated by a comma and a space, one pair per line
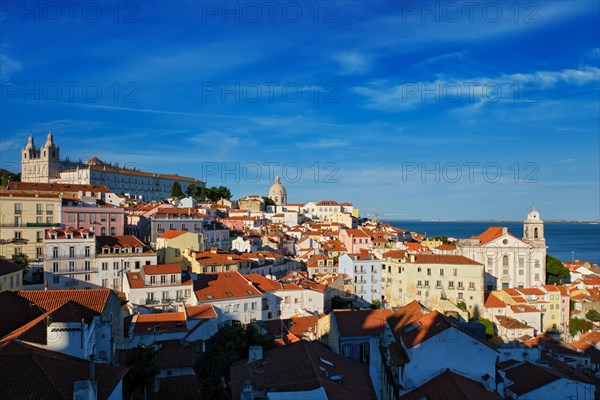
171, 245
23, 218
11, 276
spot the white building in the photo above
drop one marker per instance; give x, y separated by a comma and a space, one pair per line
234, 298
509, 261
365, 271
161, 286
70, 259
44, 165
117, 255
285, 300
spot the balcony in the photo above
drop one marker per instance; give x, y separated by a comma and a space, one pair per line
41, 225
69, 257
76, 270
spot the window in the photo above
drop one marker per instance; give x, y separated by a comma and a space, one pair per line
18, 208
49, 209
455, 272
103, 231
521, 262
451, 285
103, 217
163, 279
504, 272
113, 217
426, 283
505, 261
92, 218
81, 216
48, 220
39, 209
419, 284
173, 279
104, 267
188, 292
438, 284
460, 296
71, 217
113, 230
537, 277
87, 265
54, 267
39, 236
165, 296
428, 271
39, 252
56, 279
88, 277
55, 252
87, 251
441, 272
537, 263
460, 285
471, 285
104, 282
116, 283
152, 279
115, 265
71, 265
254, 305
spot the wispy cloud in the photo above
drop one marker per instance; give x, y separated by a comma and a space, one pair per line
8, 66
323, 144
351, 63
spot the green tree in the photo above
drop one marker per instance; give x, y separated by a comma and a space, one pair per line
228, 345
593, 315
198, 193
143, 367
579, 325
176, 190
555, 271
462, 305
269, 201
375, 304
489, 327
217, 193
6, 176
23, 261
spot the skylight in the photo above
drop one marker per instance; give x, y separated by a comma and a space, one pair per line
229, 294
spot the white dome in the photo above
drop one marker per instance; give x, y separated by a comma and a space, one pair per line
277, 192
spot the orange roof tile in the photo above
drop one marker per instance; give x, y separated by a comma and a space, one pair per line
172, 234
162, 269
201, 312
223, 286
494, 302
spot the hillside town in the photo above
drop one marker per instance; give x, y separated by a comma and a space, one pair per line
118, 283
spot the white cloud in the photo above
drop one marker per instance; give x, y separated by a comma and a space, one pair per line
351, 62
8, 66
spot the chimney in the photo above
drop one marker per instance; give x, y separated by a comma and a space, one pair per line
255, 353
412, 258
504, 230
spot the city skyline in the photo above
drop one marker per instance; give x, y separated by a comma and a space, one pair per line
400, 110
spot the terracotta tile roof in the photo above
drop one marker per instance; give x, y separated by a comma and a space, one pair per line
592, 337
395, 254
118, 242
179, 211
518, 299
494, 302
406, 315
361, 322
423, 329
512, 292
61, 233
28, 372
286, 339
522, 308
95, 299
446, 247
265, 284
357, 233
449, 385
58, 187
300, 367
16, 311
490, 234
223, 286
172, 234
218, 257
162, 269
171, 354
301, 325
135, 280
528, 377
511, 323
205, 311
9, 267
551, 288
147, 324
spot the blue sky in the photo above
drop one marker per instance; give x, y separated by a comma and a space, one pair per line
407, 109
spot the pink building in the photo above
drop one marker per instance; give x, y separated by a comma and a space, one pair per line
100, 217
355, 240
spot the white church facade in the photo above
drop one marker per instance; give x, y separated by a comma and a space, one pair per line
510, 262
44, 165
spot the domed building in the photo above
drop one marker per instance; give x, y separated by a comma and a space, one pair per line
277, 193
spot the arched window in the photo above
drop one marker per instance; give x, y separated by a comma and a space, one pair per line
505, 261
535, 233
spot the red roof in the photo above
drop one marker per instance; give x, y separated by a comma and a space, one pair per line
159, 323
205, 311
95, 299
450, 385
522, 309
360, 323
494, 302
223, 286
490, 234
162, 269
172, 234
444, 259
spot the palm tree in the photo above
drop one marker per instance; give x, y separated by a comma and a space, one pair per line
23, 261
